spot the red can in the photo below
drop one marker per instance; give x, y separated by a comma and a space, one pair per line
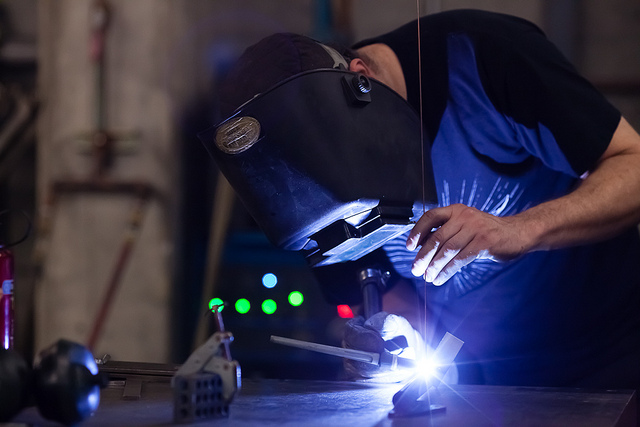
6, 301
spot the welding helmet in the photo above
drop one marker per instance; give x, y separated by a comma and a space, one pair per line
328, 162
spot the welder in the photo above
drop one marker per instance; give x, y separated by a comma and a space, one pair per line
531, 253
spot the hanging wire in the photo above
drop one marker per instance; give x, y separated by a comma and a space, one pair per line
424, 197
24, 235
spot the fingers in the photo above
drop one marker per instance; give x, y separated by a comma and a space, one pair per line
424, 258
424, 234
429, 220
357, 336
371, 335
437, 266
366, 336
388, 325
451, 237
448, 262
444, 250
451, 268
440, 248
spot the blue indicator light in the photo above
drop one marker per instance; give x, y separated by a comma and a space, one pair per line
269, 280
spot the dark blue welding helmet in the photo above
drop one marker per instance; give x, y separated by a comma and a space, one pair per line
327, 162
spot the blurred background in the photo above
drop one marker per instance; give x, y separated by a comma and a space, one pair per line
100, 106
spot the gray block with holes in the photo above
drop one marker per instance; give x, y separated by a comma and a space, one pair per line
198, 397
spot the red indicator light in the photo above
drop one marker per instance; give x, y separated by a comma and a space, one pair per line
344, 311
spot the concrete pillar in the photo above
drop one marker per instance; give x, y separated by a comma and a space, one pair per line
87, 229
160, 56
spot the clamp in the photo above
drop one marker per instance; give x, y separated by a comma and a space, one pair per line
204, 386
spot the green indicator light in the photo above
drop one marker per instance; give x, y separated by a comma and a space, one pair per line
243, 306
295, 298
214, 302
269, 306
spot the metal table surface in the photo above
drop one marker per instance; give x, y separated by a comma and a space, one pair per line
325, 403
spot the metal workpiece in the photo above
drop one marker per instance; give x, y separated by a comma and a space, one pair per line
447, 351
357, 355
420, 396
380, 359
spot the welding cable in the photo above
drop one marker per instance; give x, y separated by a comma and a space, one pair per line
26, 232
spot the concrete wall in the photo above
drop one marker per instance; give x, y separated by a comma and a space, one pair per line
611, 52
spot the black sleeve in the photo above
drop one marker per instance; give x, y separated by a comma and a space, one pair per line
529, 80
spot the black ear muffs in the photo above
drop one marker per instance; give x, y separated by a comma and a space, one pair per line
64, 381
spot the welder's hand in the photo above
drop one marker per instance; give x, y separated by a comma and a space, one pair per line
451, 237
372, 335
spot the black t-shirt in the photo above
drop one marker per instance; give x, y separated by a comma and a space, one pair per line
511, 125
523, 75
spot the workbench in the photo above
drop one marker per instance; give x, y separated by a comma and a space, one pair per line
337, 403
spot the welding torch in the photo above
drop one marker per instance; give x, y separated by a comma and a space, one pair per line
372, 285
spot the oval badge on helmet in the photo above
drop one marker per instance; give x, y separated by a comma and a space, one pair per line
238, 135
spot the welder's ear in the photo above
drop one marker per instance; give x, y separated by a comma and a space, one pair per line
357, 65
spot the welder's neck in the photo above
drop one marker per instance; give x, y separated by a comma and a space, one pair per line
383, 66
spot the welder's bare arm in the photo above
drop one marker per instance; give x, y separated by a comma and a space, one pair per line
604, 204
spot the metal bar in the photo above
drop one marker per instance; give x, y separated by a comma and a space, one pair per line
358, 355
125, 369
